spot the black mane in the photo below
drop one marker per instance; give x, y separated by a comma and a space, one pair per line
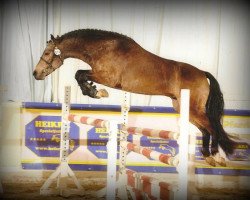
92, 34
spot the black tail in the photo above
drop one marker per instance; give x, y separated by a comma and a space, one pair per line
214, 111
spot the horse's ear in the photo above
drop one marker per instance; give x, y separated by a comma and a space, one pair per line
52, 37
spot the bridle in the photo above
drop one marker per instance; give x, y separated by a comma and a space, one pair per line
49, 68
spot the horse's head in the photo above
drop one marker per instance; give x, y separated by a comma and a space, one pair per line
50, 60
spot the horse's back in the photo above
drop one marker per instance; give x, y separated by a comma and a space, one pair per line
144, 72
137, 70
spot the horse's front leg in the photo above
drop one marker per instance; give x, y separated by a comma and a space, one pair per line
83, 79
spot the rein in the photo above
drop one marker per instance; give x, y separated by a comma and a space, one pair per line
49, 67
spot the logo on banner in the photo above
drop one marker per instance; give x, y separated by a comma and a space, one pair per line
97, 141
43, 135
160, 145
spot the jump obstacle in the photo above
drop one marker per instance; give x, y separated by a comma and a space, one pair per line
142, 186
64, 171
138, 185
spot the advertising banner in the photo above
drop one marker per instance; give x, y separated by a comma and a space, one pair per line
41, 126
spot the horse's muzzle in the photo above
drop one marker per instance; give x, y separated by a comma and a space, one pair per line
36, 76
34, 73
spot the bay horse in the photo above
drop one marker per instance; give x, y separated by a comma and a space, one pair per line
117, 61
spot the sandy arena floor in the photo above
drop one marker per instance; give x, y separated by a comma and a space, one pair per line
23, 187
27, 186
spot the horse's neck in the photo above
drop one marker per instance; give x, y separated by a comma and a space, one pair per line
73, 49
88, 52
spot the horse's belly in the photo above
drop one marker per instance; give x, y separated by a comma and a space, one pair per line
143, 86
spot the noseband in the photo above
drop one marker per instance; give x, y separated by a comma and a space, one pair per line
49, 68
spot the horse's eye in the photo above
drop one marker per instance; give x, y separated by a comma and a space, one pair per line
46, 53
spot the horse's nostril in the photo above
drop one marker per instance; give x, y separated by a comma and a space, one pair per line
34, 73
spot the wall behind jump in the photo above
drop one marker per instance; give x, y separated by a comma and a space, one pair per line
211, 35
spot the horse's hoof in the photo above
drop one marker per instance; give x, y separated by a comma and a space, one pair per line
211, 161
102, 93
221, 161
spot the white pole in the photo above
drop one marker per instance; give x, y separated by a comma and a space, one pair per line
122, 181
183, 144
111, 163
64, 146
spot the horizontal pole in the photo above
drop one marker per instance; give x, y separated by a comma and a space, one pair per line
164, 158
88, 120
149, 179
152, 132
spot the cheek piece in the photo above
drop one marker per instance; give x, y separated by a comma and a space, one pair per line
49, 68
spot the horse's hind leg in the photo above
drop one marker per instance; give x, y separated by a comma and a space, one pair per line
205, 142
200, 120
207, 132
82, 78
215, 152
205, 147
214, 145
